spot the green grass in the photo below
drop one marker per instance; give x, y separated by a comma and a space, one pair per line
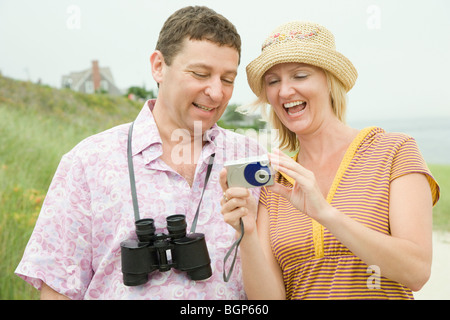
441, 212
37, 126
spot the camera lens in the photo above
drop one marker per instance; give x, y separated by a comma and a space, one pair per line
262, 176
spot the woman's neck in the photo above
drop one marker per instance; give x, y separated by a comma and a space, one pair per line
329, 141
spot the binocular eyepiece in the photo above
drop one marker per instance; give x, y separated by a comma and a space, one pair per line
149, 253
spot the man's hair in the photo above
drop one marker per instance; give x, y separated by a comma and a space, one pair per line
196, 23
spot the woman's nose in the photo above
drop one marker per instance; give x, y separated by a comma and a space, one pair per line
286, 90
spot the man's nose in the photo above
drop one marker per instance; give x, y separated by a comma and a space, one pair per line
215, 89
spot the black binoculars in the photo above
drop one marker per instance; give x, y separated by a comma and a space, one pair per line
149, 253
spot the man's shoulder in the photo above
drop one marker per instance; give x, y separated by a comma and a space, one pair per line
239, 145
105, 141
238, 136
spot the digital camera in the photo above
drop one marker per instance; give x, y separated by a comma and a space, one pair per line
249, 172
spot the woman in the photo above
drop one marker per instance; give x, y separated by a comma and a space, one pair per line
350, 215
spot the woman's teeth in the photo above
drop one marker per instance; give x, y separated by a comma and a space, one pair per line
202, 107
295, 107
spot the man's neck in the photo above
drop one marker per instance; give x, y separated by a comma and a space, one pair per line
181, 147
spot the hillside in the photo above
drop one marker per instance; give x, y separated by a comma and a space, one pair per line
69, 106
38, 124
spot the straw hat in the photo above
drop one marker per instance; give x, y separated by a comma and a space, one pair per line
303, 42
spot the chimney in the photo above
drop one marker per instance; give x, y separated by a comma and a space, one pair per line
96, 75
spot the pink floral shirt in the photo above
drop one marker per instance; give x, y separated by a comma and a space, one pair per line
88, 212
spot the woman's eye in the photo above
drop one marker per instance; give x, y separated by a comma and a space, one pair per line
271, 81
301, 76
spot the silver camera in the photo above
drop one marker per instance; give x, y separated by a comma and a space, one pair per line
249, 172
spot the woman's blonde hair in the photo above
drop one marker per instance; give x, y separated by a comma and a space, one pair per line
286, 138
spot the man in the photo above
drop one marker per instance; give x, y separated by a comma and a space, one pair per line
74, 251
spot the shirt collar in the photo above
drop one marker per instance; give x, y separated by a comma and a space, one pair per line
214, 136
145, 131
146, 137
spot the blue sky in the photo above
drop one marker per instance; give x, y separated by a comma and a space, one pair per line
400, 48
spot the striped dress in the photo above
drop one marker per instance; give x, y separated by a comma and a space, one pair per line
315, 264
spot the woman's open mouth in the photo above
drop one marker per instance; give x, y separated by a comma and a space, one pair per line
294, 108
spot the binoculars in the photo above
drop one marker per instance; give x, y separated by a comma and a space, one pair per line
149, 253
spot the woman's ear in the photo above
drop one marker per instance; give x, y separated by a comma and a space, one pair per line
157, 64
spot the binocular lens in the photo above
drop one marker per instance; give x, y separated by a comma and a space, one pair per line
145, 229
176, 225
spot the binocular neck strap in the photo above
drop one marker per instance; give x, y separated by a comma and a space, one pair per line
208, 173
133, 180
131, 173
235, 245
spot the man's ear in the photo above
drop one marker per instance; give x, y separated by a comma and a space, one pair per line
157, 63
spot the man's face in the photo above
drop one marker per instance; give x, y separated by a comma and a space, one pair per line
198, 84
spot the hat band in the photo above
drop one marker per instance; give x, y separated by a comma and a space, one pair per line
284, 37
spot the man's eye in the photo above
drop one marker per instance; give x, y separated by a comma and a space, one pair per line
228, 81
200, 75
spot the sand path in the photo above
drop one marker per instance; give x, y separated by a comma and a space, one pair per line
438, 287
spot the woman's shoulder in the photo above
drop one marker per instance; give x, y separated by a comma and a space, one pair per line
378, 137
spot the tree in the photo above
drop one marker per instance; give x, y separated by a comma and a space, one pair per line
231, 115
233, 119
140, 93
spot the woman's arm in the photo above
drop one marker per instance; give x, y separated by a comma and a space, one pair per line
263, 278
261, 272
405, 255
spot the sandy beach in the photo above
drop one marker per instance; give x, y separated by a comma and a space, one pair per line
438, 287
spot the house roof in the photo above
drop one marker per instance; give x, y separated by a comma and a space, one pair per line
78, 78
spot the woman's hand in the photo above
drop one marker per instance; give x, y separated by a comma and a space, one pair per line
305, 195
263, 278
238, 203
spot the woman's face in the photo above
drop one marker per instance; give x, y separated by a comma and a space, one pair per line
299, 95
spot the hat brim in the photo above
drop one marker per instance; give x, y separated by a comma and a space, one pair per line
312, 54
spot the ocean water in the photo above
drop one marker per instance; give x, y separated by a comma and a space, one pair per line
432, 134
